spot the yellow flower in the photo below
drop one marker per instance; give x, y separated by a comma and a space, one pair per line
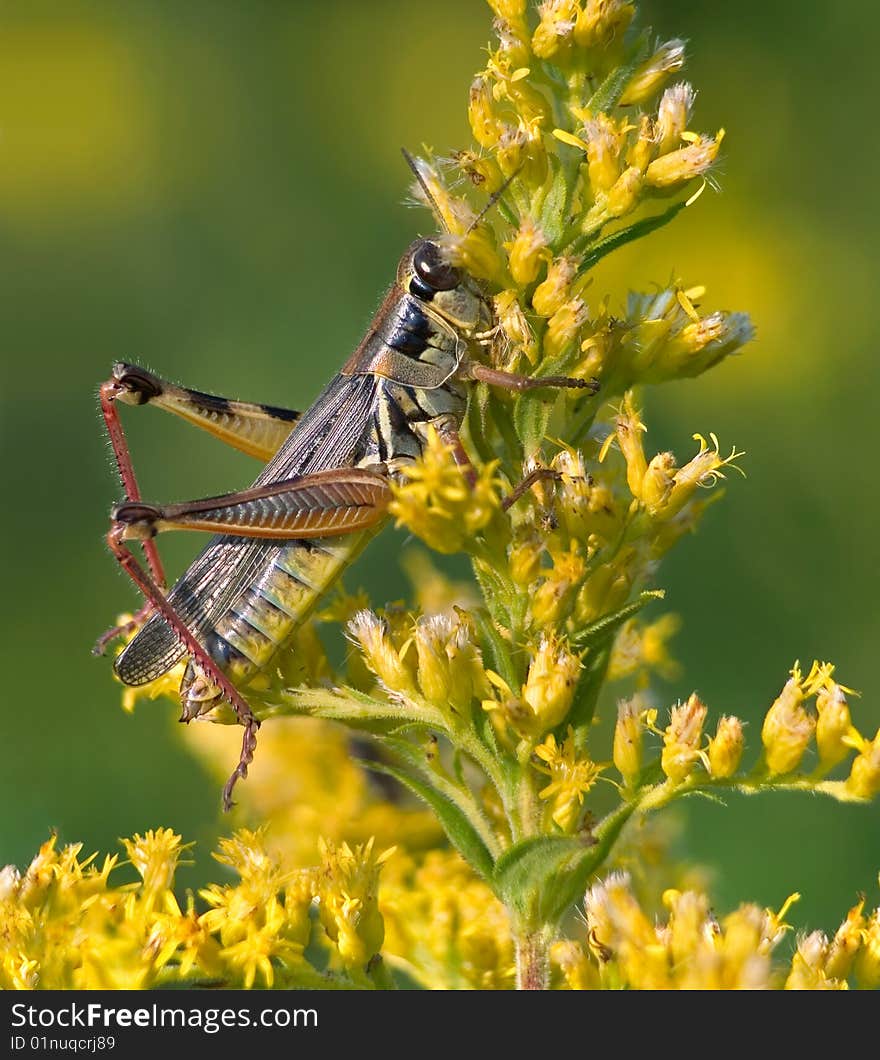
651, 75
808, 966
846, 943
571, 777
835, 735
788, 728
554, 291
681, 740
372, 635
628, 733
261, 946
602, 21
726, 747
526, 252
867, 961
450, 669
347, 889
864, 776
688, 162
436, 502
673, 116
155, 856
550, 683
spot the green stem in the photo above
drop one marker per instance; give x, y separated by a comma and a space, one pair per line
533, 958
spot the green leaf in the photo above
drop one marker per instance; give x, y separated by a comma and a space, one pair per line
542, 877
554, 208
348, 705
586, 696
604, 627
608, 94
598, 639
644, 227
494, 647
531, 416
462, 834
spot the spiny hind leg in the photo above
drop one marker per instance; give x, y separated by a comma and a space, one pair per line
201, 657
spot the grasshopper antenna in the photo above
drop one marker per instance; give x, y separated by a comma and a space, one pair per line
493, 199
423, 184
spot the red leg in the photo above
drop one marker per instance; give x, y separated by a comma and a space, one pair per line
449, 435
109, 392
125, 630
155, 597
522, 383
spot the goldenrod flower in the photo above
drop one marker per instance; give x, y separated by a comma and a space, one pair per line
846, 943
628, 734
688, 162
550, 683
382, 656
155, 856
835, 735
682, 738
726, 747
602, 21
652, 74
788, 728
526, 252
554, 291
673, 116
866, 966
864, 775
347, 891
571, 777
436, 502
450, 668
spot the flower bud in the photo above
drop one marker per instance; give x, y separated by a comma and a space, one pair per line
834, 728
554, 34
845, 944
681, 740
553, 599
604, 142
866, 966
685, 163
601, 21
628, 733
673, 116
524, 562
348, 893
485, 123
371, 634
526, 253
787, 728
552, 293
563, 327
864, 775
550, 684
726, 748
649, 77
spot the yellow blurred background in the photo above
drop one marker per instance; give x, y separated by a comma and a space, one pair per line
214, 190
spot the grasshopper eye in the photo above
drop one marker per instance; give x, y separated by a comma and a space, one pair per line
432, 270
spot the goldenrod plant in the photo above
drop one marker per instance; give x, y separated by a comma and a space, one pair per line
526, 857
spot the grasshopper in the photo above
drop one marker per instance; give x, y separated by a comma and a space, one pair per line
278, 546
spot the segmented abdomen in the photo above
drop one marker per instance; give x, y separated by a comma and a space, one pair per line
268, 612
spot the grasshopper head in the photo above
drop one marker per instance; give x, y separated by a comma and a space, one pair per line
427, 274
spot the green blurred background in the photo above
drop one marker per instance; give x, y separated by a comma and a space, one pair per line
213, 190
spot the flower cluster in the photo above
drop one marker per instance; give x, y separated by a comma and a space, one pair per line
689, 948
482, 702
67, 925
